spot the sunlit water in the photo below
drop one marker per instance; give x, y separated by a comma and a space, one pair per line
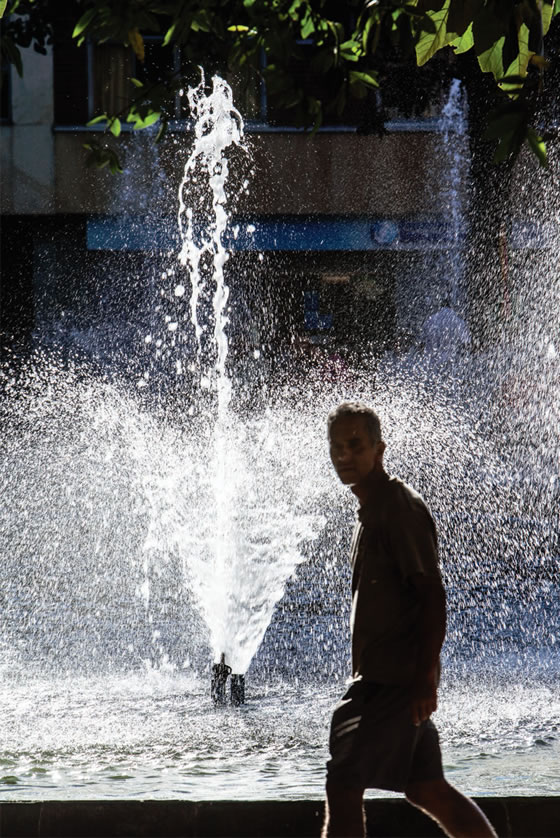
143, 534
105, 656
158, 736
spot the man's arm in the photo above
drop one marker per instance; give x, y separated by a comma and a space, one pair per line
431, 634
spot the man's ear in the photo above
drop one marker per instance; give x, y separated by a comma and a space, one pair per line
380, 450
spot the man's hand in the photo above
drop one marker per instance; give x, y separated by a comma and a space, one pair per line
431, 631
423, 698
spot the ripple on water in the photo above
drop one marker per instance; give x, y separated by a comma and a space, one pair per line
118, 742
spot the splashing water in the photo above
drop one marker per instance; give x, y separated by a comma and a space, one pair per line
218, 125
142, 541
250, 543
454, 133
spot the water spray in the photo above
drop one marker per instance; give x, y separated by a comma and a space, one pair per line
241, 532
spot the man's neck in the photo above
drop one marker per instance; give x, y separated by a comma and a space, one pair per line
367, 487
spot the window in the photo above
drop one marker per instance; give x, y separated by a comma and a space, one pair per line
109, 71
317, 85
96, 79
111, 66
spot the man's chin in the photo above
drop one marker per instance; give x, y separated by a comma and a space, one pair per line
349, 478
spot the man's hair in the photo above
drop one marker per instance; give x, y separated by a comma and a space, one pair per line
373, 424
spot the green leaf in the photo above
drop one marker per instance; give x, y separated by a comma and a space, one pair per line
151, 119
115, 127
548, 12
363, 78
430, 42
307, 27
201, 21
136, 82
238, 28
464, 43
512, 80
537, 146
351, 50
491, 60
115, 167
162, 131
12, 53
95, 120
84, 22
102, 156
366, 33
521, 61
3, 4
409, 9
511, 87
169, 34
318, 118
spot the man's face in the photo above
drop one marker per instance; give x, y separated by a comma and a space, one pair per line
353, 453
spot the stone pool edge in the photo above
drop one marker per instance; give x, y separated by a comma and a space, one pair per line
514, 817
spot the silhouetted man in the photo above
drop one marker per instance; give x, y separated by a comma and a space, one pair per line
381, 732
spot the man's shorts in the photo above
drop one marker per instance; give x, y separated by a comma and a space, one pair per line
374, 743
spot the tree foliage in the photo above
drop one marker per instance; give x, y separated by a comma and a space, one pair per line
313, 55
24, 23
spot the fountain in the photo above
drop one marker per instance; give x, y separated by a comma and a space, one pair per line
154, 539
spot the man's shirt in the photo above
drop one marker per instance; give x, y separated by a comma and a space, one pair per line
394, 538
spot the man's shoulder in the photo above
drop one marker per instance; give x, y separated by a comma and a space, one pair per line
394, 503
400, 491
402, 499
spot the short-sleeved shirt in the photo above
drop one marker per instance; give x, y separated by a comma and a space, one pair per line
394, 538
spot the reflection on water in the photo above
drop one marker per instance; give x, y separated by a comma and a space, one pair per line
159, 736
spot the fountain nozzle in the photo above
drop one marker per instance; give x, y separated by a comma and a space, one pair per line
220, 673
237, 690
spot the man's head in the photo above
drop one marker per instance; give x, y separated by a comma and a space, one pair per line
356, 446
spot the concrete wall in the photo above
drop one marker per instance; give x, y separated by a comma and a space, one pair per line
43, 171
27, 171
518, 817
330, 173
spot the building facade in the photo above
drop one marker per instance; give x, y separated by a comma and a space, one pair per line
354, 239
